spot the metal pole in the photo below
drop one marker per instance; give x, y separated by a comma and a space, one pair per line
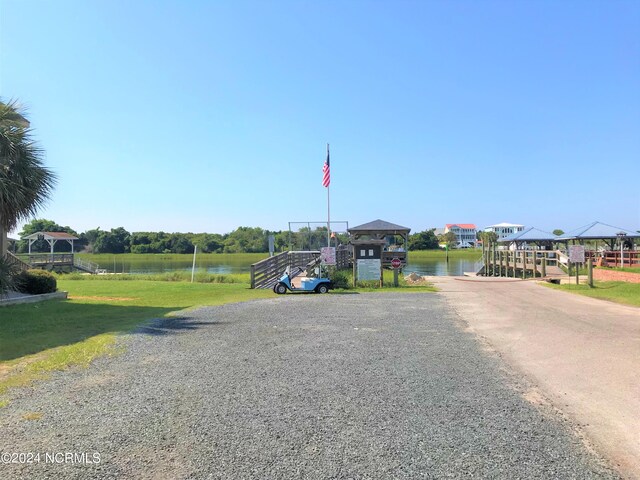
328, 208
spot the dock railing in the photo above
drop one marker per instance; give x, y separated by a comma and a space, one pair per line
613, 258
17, 263
86, 266
265, 273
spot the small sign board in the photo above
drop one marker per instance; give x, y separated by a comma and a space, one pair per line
272, 243
396, 263
576, 253
328, 255
368, 268
368, 251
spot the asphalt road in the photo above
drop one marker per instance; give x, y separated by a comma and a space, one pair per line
581, 354
298, 386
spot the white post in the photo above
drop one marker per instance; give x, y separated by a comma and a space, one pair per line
621, 253
193, 268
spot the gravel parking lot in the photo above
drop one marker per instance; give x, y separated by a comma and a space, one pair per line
374, 385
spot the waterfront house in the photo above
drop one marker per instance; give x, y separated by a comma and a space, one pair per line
504, 229
466, 234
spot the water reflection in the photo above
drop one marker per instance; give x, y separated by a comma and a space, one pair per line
441, 267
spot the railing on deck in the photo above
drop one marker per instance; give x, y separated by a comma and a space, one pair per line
56, 259
343, 257
85, 266
266, 272
53, 260
614, 258
16, 262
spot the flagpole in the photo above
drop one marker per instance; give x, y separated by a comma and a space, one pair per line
328, 209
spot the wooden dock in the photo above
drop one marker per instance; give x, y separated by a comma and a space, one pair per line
59, 262
523, 264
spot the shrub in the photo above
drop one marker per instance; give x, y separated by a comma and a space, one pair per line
7, 276
36, 282
340, 279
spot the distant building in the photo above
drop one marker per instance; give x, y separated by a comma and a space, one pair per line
504, 229
465, 233
437, 231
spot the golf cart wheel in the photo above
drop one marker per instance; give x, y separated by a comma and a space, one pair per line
322, 288
280, 288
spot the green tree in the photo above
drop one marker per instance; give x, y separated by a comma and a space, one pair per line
488, 237
180, 243
25, 183
209, 242
449, 238
44, 225
247, 240
425, 240
114, 241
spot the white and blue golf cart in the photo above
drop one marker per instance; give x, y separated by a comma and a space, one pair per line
310, 279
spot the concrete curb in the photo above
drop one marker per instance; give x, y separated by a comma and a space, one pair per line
32, 298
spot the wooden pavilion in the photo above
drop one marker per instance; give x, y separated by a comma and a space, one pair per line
51, 238
379, 232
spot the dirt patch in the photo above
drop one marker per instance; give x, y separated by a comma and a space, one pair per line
109, 299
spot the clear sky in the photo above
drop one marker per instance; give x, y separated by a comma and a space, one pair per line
205, 116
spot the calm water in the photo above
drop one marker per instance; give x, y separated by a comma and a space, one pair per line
440, 267
210, 264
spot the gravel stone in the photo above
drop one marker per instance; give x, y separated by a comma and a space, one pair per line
379, 385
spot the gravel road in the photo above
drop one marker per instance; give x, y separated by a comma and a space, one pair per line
298, 386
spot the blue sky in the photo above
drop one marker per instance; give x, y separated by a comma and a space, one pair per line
205, 116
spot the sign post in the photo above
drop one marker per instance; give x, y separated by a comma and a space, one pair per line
368, 262
396, 264
576, 255
328, 255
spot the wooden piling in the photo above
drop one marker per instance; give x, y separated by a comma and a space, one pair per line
507, 265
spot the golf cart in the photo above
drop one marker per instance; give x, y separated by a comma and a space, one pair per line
310, 279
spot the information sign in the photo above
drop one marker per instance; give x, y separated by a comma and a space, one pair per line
576, 254
328, 255
368, 269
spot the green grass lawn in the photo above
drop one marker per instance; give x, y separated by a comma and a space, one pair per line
620, 292
41, 337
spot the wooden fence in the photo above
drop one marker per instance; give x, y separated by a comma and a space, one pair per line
266, 273
16, 262
613, 258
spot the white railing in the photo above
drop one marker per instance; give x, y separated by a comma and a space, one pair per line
86, 266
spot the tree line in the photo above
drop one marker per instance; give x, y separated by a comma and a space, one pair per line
240, 240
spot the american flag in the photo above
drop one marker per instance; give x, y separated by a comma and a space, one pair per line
326, 171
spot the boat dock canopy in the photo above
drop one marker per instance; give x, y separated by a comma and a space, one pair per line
50, 237
597, 231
